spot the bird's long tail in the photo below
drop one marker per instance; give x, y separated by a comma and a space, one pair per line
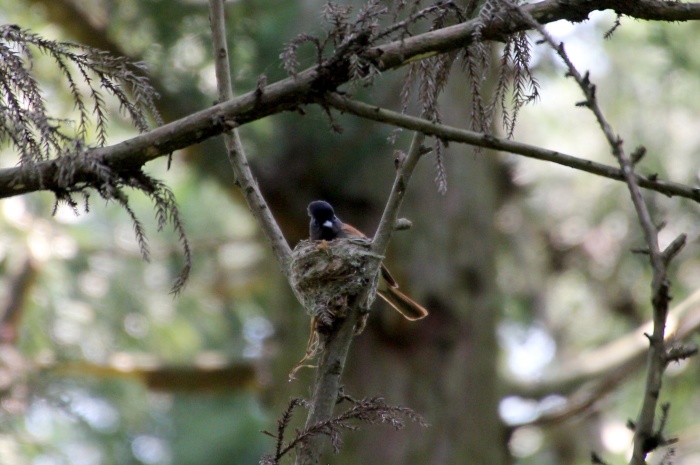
403, 304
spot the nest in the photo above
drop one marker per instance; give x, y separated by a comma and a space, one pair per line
326, 276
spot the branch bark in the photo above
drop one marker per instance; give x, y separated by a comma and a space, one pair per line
234, 149
327, 384
337, 344
646, 439
488, 141
293, 92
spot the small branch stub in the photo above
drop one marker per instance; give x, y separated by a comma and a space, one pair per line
403, 224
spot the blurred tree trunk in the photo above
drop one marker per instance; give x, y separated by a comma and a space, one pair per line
446, 365
443, 366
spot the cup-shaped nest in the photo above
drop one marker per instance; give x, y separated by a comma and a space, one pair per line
327, 275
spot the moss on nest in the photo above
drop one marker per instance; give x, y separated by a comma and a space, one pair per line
325, 275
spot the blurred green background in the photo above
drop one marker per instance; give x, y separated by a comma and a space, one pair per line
523, 264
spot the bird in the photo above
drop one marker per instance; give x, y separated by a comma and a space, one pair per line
325, 226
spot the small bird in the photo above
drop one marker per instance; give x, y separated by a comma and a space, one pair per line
326, 226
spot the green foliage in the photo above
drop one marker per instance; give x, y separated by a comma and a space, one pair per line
218, 429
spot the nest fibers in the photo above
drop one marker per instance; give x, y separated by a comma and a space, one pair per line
327, 275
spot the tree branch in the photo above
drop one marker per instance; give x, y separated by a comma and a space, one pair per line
646, 438
479, 139
293, 92
234, 149
330, 369
625, 354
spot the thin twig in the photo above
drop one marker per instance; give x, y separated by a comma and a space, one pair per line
645, 437
381, 239
236, 154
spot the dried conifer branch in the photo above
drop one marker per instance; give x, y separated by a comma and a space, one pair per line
166, 213
431, 74
236, 154
41, 139
347, 40
438, 10
26, 123
515, 60
477, 64
371, 411
280, 448
646, 439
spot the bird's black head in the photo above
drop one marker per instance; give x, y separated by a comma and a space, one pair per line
324, 224
321, 211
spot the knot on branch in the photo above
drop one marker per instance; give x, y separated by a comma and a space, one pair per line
655, 439
681, 352
327, 276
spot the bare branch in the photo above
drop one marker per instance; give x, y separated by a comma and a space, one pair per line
645, 438
453, 134
236, 154
623, 355
336, 346
404, 171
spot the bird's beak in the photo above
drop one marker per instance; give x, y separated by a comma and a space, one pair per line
328, 224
